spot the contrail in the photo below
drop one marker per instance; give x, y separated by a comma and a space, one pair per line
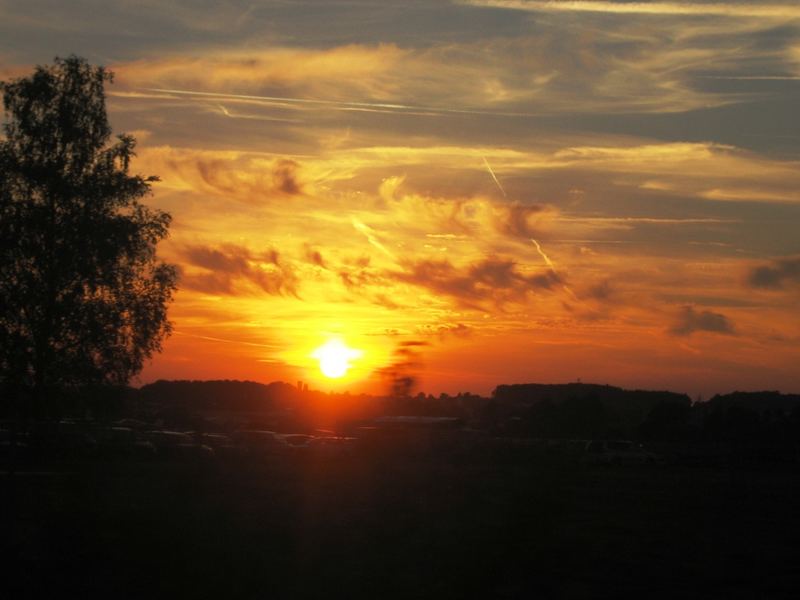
226, 341
497, 181
369, 233
552, 267
543, 255
341, 105
231, 115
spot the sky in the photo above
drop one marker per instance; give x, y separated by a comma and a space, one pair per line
466, 192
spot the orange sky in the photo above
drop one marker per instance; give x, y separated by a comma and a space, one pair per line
474, 192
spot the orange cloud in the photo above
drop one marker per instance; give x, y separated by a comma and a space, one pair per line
350, 69
522, 76
216, 270
494, 279
236, 175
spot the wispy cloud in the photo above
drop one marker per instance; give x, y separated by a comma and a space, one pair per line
350, 67
246, 177
724, 9
556, 72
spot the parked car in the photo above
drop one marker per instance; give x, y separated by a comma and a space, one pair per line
123, 442
223, 445
297, 441
259, 443
176, 444
617, 452
13, 445
333, 445
70, 438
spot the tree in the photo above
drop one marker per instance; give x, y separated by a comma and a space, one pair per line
83, 297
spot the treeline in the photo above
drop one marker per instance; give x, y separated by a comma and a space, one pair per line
567, 411
560, 411
575, 410
762, 417
588, 411
236, 396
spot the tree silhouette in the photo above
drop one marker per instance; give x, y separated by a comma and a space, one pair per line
83, 298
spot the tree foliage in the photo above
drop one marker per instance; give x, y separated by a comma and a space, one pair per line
83, 296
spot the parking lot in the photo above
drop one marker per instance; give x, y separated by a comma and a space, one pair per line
388, 523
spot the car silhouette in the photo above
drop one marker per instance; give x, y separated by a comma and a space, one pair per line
617, 452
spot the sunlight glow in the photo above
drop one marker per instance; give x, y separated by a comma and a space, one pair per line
334, 358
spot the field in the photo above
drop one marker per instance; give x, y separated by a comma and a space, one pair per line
395, 525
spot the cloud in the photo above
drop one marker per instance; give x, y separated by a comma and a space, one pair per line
496, 280
354, 279
448, 222
222, 270
236, 175
602, 291
384, 301
608, 65
723, 9
752, 195
706, 170
700, 169
690, 321
447, 330
560, 70
333, 73
523, 220
314, 256
360, 278
284, 177
775, 275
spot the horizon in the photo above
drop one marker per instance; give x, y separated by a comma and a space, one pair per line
694, 398
456, 193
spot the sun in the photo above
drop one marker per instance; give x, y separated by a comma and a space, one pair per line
334, 358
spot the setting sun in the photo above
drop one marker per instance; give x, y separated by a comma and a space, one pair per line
334, 358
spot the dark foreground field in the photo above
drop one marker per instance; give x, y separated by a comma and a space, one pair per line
393, 526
